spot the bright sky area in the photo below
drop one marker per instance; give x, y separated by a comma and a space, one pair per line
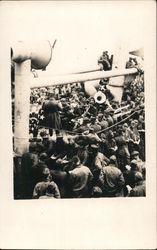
83, 29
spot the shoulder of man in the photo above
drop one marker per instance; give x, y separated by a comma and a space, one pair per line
53, 184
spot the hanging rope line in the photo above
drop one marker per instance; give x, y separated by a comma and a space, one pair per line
99, 132
125, 119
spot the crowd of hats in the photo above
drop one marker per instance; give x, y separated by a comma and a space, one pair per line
81, 114
88, 126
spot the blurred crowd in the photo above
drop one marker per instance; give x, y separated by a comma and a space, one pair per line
82, 149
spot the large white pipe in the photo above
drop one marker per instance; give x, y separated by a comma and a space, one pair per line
26, 56
22, 106
73, 78
40, 53
91, 87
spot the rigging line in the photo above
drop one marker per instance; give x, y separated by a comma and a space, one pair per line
72, 132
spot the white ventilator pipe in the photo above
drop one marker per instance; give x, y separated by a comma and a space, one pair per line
40, 53
22, 105
26, 56
91, 87
73, 78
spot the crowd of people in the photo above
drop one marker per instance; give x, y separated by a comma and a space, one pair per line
82, 149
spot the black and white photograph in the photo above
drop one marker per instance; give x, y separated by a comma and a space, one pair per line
79, 134
83, 135
78, 98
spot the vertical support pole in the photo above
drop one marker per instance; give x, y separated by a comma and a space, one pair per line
119, 62
22, 106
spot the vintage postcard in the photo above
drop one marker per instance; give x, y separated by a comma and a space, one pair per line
78, 100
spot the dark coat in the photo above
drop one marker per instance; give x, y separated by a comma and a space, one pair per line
139, 190
113, 181
60, 178
52, 116
28, 161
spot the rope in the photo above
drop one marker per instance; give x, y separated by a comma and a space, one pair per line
119, 122
63, 130
72, 132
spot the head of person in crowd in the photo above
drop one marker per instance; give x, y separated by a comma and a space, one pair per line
43, 157
134, 166
120, 130
114, 105
105, 53
101, 108
102, 136
132, 104
136, 121
125, 127
96, 192
82, 153
84, 101
107, 111
75, 162
46, 175
100, 117
137, 99
110, 134
142, 106
111, 112
93, 149
138, 178
44, 135
85, 120
33, 147
81, 94
60, 163
52, 95
93, 119
39, 148
132, 124
113, 161
91, 100
135, 155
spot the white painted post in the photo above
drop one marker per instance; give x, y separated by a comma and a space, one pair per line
22, 106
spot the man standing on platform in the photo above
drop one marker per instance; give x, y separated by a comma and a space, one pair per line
51, 110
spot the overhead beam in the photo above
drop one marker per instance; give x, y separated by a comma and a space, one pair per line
86, 70
73, 78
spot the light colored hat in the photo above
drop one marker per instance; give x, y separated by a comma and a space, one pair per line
134, 153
